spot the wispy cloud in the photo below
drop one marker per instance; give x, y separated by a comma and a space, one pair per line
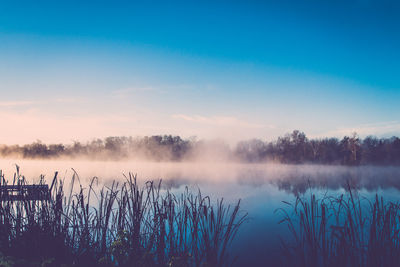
30, 103
68, 100
16, 103
27, 126
220, 121
124, 92
128, 91
381, 129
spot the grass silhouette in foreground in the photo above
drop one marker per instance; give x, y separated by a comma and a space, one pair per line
342, 231
119, 225
128, 225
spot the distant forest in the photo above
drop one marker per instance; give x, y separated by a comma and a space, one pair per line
292, 148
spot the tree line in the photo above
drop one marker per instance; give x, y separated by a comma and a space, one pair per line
292, 148
296, 148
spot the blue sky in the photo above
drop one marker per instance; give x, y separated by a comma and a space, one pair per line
239, 69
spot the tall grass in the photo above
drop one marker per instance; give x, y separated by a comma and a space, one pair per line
123, 224
342, 231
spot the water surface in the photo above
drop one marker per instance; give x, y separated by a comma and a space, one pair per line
261, 188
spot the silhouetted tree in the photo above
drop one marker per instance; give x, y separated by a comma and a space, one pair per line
351, 150
253, 150
292, 148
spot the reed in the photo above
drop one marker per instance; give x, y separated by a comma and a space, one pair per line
118, 225
347, 230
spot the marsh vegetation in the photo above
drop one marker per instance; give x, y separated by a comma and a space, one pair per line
123, 224
345, 230
336, 215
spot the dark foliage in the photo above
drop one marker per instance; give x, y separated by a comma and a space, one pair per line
296, 148
293, 148
342, 231
116, 225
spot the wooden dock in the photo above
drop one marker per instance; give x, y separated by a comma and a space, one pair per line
24, 192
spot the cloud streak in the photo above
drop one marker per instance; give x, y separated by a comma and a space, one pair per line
381, 129
125, 92
16, 103
28, 126
220, 121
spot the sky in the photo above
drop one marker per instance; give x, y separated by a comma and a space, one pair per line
77, 70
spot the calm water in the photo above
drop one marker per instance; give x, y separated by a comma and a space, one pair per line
261, 187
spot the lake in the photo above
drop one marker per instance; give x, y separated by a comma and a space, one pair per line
261, 188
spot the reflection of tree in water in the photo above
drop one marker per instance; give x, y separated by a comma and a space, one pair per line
368, 178
293, 179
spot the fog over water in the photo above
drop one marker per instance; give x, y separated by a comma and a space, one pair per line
289, 178
261, 188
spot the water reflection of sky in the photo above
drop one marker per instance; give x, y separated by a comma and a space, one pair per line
261, 188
